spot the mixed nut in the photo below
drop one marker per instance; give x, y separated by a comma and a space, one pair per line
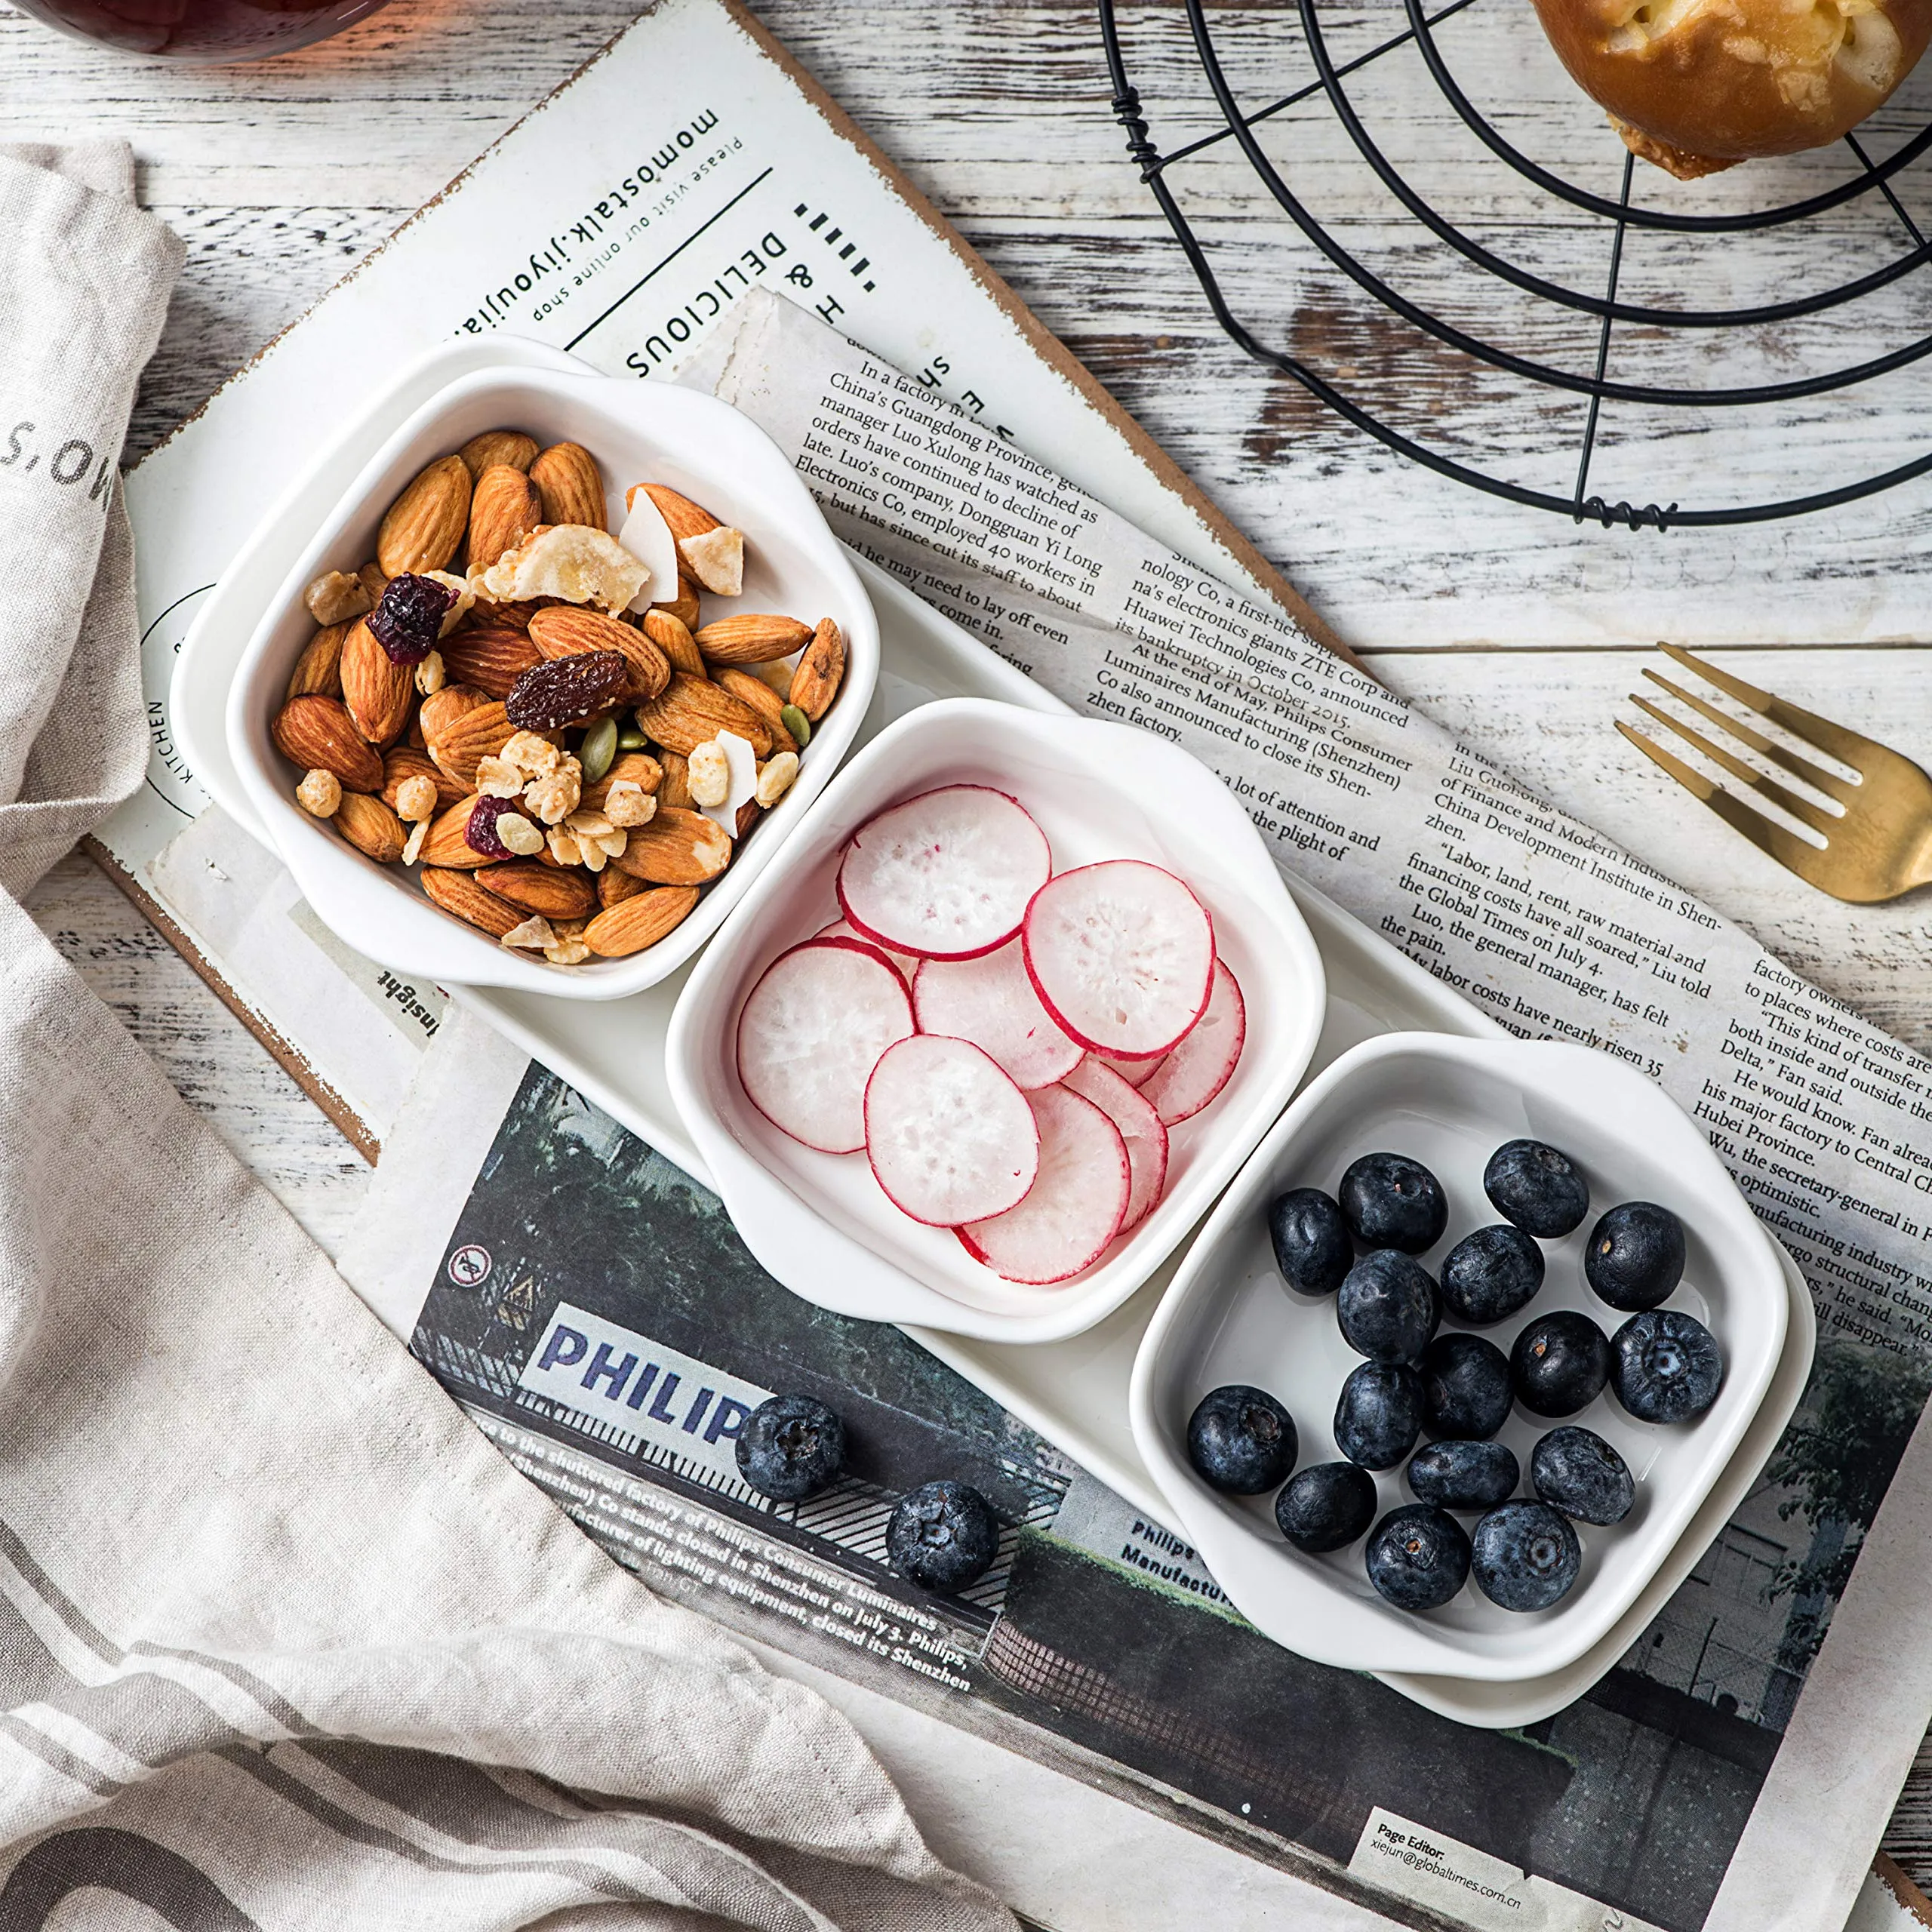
511, 699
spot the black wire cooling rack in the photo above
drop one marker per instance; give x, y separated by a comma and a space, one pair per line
1233, 119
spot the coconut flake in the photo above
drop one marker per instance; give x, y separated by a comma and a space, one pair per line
647, 537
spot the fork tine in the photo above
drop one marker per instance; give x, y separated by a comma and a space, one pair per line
1827, 782
1802, 810
1852, 746
1769, 837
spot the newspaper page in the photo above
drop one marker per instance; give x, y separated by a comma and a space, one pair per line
623, 220
1101, 1628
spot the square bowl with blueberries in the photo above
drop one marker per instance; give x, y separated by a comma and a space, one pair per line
1448, 1371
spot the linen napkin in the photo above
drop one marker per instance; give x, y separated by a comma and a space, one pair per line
284, 1643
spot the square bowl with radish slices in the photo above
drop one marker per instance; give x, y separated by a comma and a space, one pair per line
1022, 994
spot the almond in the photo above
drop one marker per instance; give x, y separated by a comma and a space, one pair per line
440, 710
459, 748
613, 887
379, 694
508, 447
563, 630
753, 637
748, 817
317, 734
676, 848
683, 606
815, 682
567, 476
672, 636
676, 789
638, 768
403, 763
371, 826
457, 892
685, 517
491, 657
555, 894
689, 710
642, 920
760, 697
425, 524
318, 671
504, 509
444, 844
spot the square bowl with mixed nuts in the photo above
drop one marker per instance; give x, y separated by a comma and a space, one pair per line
552, 685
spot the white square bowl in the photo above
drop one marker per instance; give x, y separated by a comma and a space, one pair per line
1229, 1317
639, 432
819, 1223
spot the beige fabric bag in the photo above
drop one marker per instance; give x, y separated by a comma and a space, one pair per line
283, 1642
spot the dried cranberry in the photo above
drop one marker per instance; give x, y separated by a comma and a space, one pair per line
566, 690
409, 619
479, 832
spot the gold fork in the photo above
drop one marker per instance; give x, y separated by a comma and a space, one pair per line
1878, 847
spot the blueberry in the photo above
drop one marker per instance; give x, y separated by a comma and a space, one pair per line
942, 1536
1312, 1245
1560, 1364
1379, 1415
1241, 1440
1464, 1476
1488, 1276
1635, 1256
1326, 1507
1388, 1307
1418, 1556
1537, 1188
1465, 1387
1525, 1556
1575, 1470
1392, 1202
791, 1446
1664, 1366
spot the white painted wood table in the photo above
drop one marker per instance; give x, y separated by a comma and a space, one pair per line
1516, 630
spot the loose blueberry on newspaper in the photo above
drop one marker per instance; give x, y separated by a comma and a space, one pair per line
791, 1447
942, 1536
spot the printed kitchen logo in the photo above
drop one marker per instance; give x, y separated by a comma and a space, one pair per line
70, 463
636, 1394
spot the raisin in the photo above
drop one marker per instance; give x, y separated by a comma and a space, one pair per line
409, 619
479, 832
566, 690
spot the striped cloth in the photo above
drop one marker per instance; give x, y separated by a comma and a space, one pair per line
283, 1642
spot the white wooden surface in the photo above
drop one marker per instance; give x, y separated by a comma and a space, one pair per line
280, 175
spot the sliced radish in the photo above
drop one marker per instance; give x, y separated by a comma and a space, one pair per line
1074, 1207
1135, 1073
1123, 955
1200, 1067
949, 1136
1139, 1126
844, 929
947, 874
810, 1034
991, 1002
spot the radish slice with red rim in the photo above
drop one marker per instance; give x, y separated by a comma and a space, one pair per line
949, 1136
1075, 1206
1202, 1064
946, 875
904, 962
1135, 1073
991, 1002
1122, 954
1138, 1125
811, 1032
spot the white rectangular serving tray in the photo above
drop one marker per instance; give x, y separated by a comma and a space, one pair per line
1073, 1392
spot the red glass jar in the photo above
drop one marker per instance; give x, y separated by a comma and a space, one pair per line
209, 30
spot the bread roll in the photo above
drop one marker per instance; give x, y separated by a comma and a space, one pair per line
1697, 85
